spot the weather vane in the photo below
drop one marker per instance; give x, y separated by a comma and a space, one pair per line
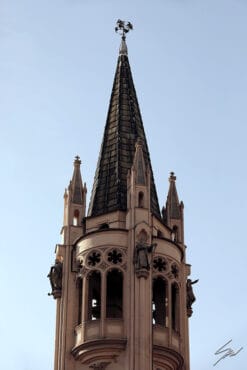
123, 27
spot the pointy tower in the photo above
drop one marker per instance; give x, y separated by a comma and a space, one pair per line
120, 276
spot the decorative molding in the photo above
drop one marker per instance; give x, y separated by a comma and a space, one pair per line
83, 271
100, 366
103, 249
103, 266
167, 358
95, 351
142, 273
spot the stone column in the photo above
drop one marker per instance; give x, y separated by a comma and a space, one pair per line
143, 321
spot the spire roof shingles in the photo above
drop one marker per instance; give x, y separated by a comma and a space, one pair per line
123, 127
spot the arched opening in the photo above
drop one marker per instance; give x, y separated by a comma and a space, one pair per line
94, 295
79, 295
76, 217
141, 200
114, 294
159, 301
175, 307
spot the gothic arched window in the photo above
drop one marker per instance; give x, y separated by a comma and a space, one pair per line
175, 306
159, 301
94, 295
114, 294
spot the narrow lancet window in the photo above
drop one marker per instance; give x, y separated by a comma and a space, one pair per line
175, 307
159, 301
175, 234
79, 292
76, 217
94, 296
141, 200
114, 294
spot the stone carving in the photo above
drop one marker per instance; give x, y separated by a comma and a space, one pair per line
190, 295
142, 256
55, 275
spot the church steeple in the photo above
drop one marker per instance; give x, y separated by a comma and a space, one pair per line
120, 274
123, 127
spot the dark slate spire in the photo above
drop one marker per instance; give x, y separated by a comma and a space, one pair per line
123, 127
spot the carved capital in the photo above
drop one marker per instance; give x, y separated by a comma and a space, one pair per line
142, 273
83, 271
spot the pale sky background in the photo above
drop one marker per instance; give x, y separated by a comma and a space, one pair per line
57, 63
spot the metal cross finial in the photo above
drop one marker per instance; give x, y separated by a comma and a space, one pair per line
123, 27
77, 160
172, 176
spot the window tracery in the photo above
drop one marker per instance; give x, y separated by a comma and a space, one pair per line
93, 259
174, 270
160, 264
115, 256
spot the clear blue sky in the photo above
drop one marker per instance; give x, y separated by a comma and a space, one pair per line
188, 59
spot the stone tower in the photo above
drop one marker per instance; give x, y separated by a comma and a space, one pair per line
120, 275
